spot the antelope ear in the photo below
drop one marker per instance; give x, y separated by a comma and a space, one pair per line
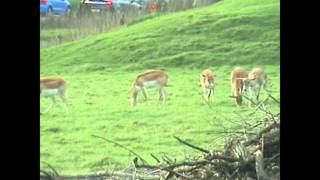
203, 75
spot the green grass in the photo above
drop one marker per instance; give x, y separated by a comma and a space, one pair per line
101, 69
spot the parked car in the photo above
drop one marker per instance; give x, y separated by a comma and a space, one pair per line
48, 7
108, 5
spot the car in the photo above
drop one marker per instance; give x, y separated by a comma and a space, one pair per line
108, 5
54, 7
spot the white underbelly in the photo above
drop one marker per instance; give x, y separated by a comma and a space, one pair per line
149, 84
49, 92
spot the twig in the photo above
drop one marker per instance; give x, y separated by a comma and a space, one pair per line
274, 98
230, 132
234, 173
229, 159
167, 159
119, 175
203, 162
273, 157
254, 103
259, 107
46, 175
256, 125
239, 123
258, 136
192, 146
261, 103
176, 173
168, 176
51, 175
157, 170
154, 157
144, 161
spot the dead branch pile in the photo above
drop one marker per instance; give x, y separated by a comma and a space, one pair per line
256, 157
251, 157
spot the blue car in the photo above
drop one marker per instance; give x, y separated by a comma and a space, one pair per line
48, 7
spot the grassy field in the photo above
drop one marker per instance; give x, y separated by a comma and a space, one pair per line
101, 69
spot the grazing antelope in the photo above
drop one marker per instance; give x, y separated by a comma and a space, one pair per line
256, 79
237, 84
51, 87
207, 80
155, 78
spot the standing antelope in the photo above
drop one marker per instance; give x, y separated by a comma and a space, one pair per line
207, 80
237, 84
155, 78
51, 87
255, 80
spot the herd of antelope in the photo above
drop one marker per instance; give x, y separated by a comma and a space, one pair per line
241, 83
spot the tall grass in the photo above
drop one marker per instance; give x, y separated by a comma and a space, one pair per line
80, 25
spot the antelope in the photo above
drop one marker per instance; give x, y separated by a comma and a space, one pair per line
256, 79
207, 80
237, 84
155, 78
51, 87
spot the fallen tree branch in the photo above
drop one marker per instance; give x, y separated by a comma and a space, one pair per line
259, 135
192, 146
109, 176
196, 163
176, 173
231, 132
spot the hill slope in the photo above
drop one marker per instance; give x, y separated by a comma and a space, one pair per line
100, 70
230, 32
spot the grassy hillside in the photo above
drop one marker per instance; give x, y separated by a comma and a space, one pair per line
230, 32
100, 71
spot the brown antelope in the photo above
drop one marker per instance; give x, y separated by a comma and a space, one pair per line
155, 78
207, 80
237, 84
51, 87
256, 79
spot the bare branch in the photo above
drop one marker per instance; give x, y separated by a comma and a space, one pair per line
273, 157
259, 107
192, 146
274, 98
258, 136
122, 147
176, 173
154, 157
